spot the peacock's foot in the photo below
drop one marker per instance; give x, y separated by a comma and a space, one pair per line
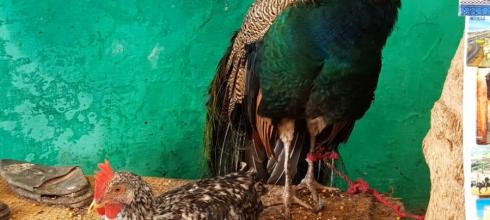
291, 198
313, 186
317, 186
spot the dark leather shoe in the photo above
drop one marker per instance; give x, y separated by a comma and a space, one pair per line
53, 185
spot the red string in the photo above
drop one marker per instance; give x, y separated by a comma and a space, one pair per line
318, 155
360, 186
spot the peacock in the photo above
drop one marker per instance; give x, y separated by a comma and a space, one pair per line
296, 78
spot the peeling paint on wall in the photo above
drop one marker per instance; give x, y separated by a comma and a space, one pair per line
85, 82
126, 80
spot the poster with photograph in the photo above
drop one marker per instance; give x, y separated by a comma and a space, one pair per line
474, 7
478, 64
480, 171
478, 42
476, 114
483, 209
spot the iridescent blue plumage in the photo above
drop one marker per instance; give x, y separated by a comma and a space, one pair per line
323, 60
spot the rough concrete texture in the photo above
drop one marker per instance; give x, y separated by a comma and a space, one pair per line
443, 147
126, 80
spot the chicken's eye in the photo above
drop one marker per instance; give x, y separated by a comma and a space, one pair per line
118, 190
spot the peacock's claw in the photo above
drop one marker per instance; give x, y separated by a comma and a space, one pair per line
301, 203
291, 198
317, 186
312, 185
319, 205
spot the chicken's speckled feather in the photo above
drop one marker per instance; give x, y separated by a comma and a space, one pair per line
234, 196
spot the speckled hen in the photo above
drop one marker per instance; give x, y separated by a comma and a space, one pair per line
123, 195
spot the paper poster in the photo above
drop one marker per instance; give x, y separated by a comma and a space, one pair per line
474, 7
476, 114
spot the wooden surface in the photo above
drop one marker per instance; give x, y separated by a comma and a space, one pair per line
338, 205
443, 147
482, 108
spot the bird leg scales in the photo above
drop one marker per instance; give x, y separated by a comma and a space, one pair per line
286, 134
310, 181
315, 126
318, 186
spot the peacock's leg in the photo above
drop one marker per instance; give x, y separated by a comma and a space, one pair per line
315, 126
286, 134
310, 181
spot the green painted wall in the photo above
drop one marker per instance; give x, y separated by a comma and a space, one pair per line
85, 80
385, 147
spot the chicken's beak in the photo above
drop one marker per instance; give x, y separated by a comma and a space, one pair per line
93, 206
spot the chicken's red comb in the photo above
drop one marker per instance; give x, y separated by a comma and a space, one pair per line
102, 178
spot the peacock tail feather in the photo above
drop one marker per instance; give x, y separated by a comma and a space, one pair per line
225, 139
